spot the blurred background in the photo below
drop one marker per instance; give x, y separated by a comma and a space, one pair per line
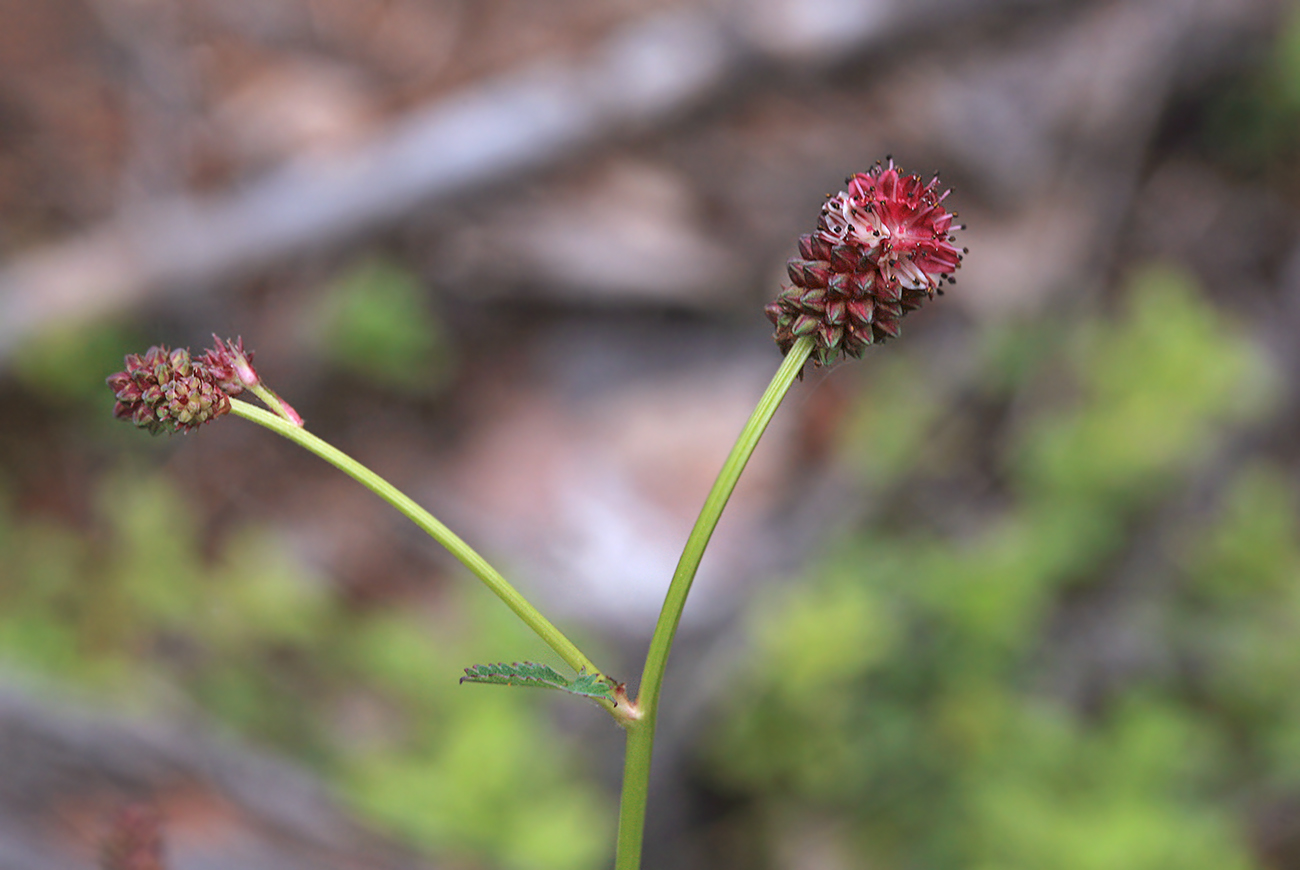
1020, 590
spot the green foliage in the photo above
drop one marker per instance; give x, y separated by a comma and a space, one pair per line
375, 322
69, 363
539, 676
142, 609
914, 685
1117, 794
1242, 617
894, 422
486, 781
1253, 123
1152, 394
476, 773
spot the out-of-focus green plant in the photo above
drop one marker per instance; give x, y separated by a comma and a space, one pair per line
916, 687
259, 643
374, 321
62, 364
1251, 123
1240, 619
451, 778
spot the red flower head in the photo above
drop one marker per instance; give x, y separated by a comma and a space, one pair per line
882, 247
230, 366
167, 391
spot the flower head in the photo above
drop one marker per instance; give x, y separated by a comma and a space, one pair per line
167, 391
882, 247
230, 366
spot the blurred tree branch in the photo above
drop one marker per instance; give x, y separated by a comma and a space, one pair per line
65, 767
519, 123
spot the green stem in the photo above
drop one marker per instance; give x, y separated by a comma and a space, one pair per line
436, 530
640, 733
275, 403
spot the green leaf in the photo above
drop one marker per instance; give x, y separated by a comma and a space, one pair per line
541, 676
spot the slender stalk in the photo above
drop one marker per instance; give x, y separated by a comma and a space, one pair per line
436, 530
640, 733
275, 403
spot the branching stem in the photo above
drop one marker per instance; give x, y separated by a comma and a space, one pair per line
477, 565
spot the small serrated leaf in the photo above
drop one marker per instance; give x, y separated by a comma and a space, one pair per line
591, 686
516, 674
540, 676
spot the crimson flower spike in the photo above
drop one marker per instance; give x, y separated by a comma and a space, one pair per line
231, 367
882, 248
171, 391
167, 391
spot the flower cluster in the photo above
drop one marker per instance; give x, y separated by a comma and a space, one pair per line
169, 391
882, 248
230, 366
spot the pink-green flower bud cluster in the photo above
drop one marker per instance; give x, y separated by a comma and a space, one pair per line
169, 391
230, 366
882, 248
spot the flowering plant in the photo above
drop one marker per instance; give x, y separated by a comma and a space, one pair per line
882, 247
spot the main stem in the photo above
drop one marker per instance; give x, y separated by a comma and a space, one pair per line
479, 566
641, 733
